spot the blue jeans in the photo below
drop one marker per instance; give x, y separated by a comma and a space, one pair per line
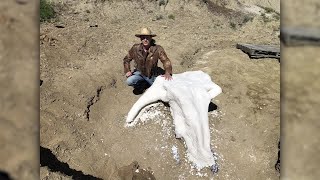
137, 79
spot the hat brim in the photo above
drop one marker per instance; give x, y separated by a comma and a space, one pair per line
151, 35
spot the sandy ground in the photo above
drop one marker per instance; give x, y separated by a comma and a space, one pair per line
300, 160
300, 98
19, 99
83, 98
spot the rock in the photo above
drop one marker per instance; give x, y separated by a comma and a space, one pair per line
214, 168
22, 2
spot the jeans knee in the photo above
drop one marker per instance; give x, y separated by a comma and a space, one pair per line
130, 81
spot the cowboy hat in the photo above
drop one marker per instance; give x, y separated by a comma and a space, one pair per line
145, 32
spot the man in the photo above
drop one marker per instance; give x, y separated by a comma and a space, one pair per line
146, 55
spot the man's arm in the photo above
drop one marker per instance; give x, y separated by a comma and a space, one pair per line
166, 63
126, 61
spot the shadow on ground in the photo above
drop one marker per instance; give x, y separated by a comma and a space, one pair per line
47, 158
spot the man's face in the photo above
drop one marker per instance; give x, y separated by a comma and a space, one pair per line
145, 40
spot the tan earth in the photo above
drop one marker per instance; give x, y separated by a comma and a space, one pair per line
84, 98
111, 156
19, 99
301, 96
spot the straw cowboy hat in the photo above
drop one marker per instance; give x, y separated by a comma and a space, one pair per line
145, 32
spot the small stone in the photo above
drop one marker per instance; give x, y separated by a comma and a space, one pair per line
214, 168
22, 2
233, 138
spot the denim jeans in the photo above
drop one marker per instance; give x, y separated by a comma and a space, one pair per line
137, 79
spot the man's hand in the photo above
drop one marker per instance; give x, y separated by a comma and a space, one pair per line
128, 74
167, 76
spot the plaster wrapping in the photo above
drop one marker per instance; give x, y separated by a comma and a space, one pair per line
188, 95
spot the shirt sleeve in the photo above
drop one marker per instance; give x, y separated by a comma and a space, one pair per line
127, 59
165, 61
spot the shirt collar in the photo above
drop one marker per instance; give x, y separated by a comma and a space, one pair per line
151, 49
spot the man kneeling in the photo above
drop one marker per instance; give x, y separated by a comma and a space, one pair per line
146, 55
